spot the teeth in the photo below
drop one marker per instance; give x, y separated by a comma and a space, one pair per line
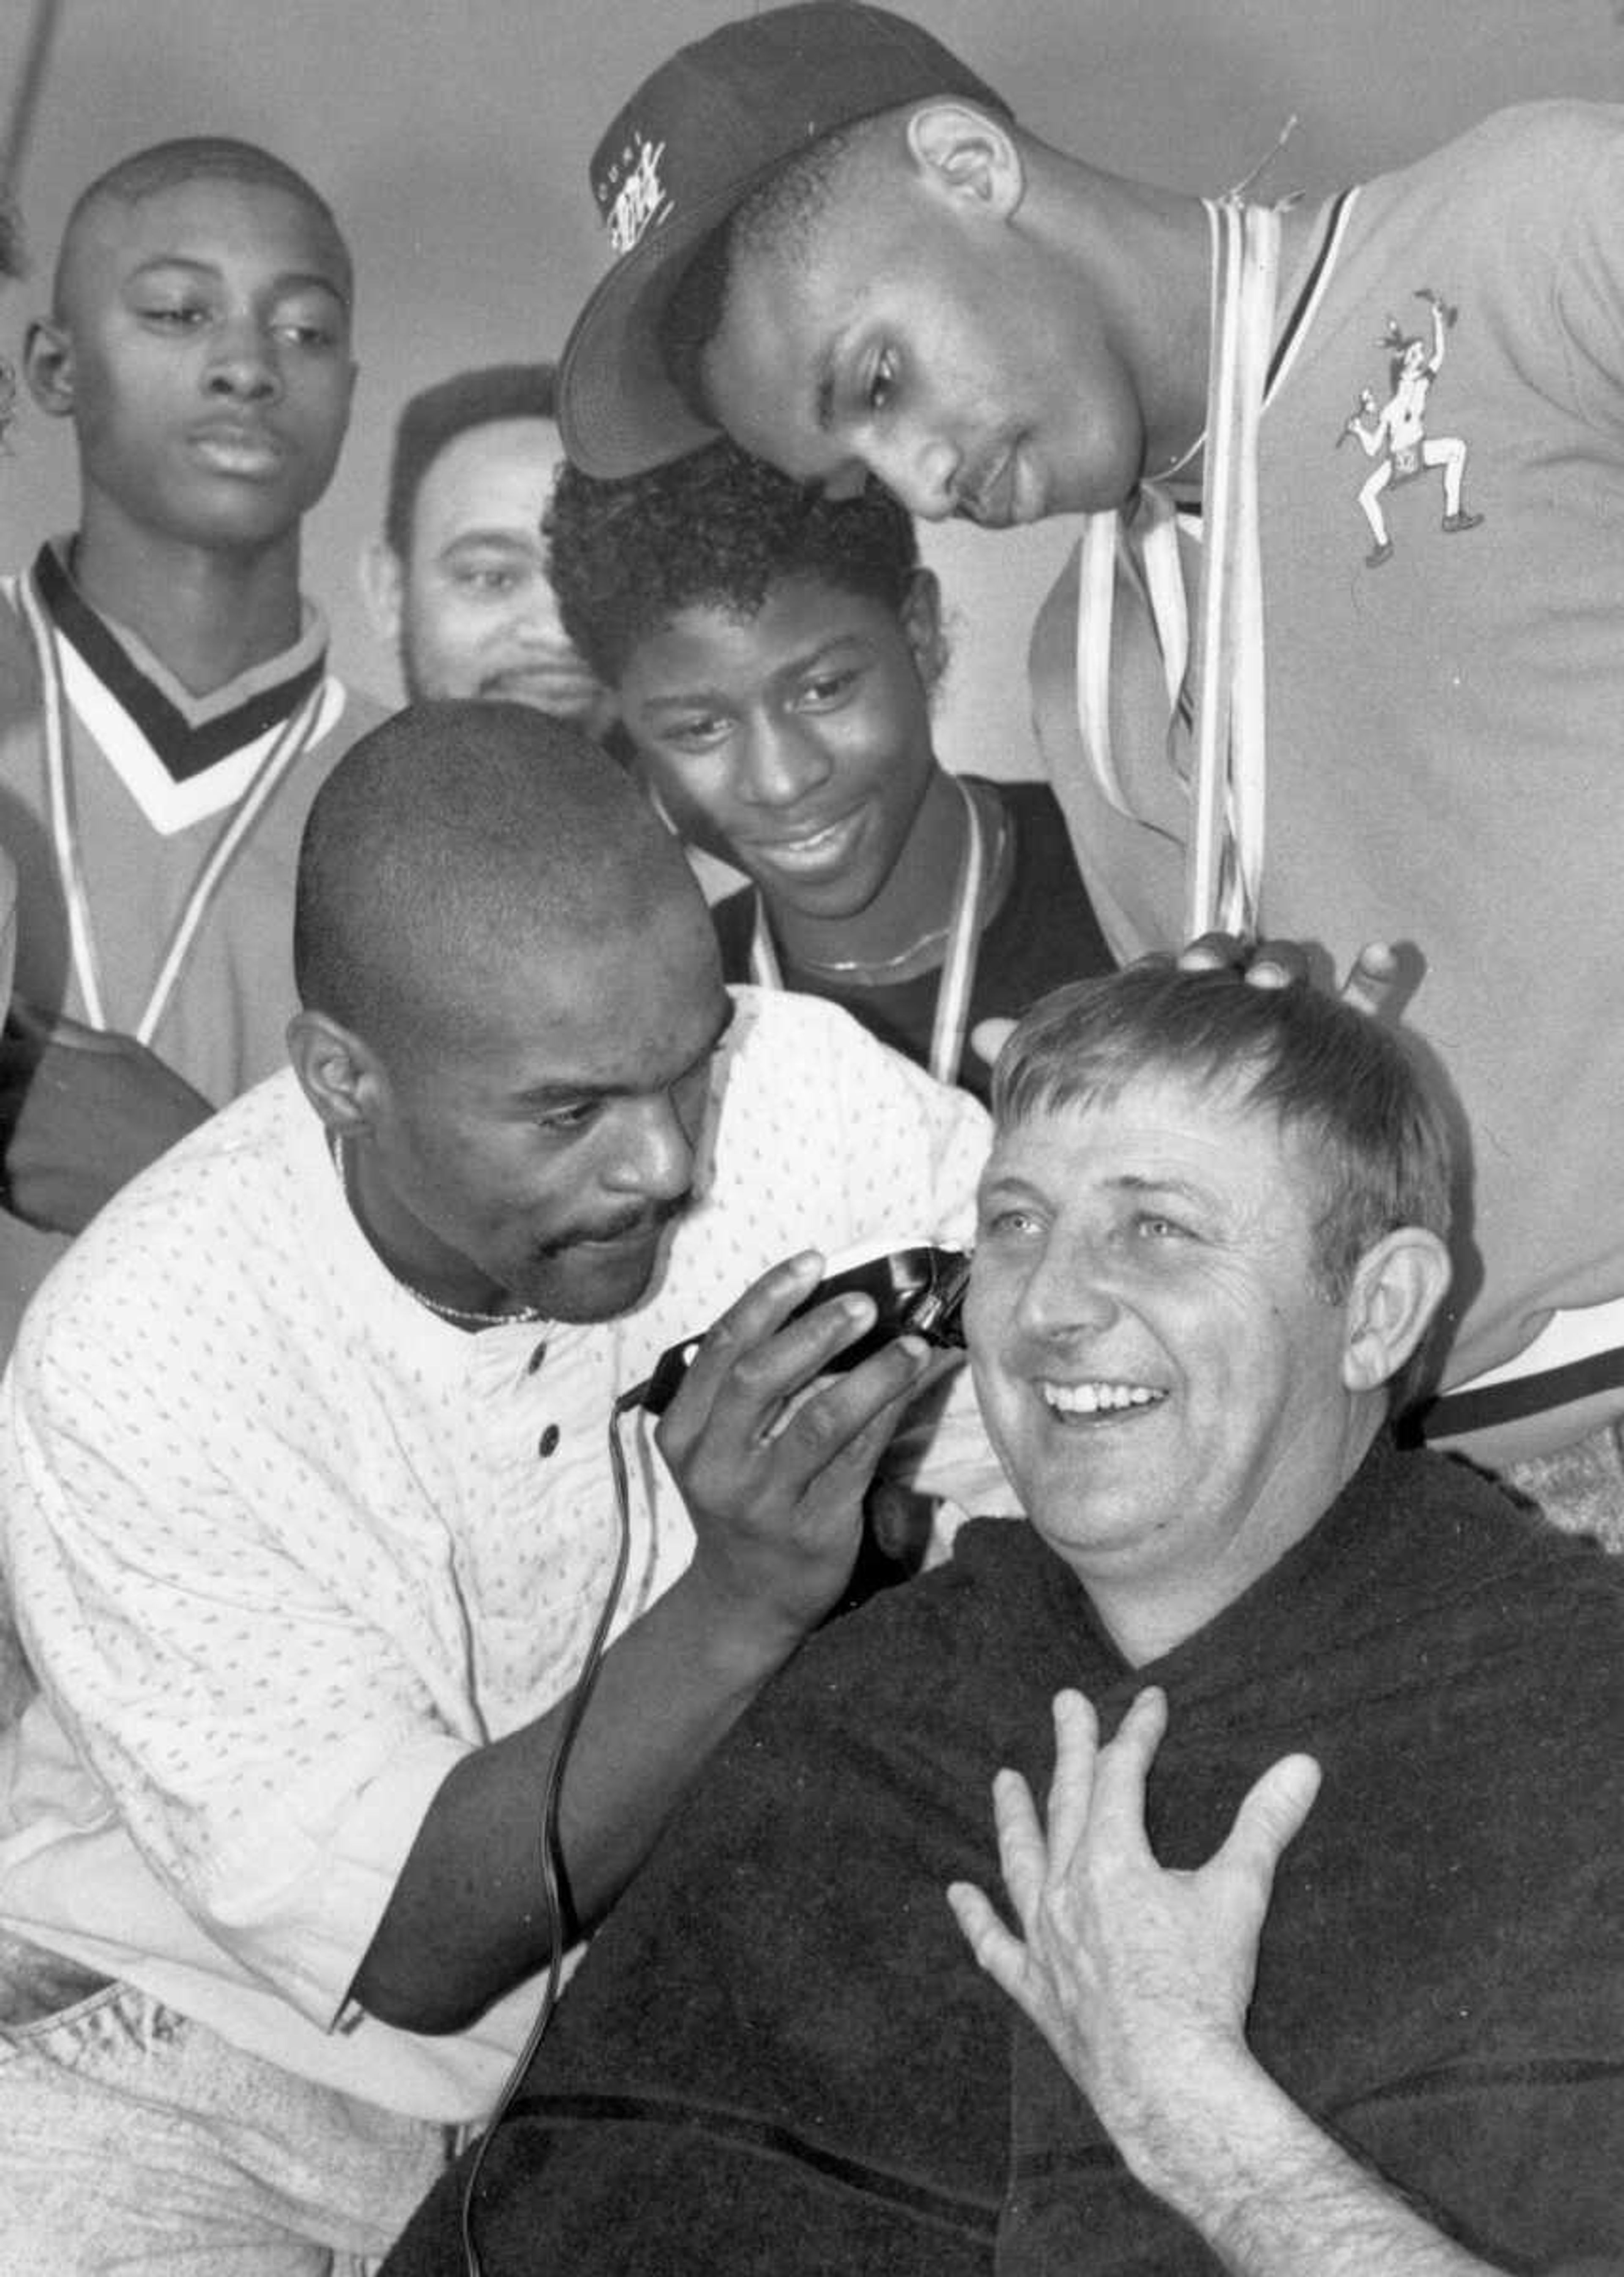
1096, 1398
813, 838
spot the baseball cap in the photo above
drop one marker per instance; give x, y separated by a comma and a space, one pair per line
702, 134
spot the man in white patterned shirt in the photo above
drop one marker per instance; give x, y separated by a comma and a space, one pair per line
308, 1515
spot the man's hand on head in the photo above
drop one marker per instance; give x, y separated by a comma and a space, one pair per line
1139, 1979
1368, 985
84, 1111
773, 1452
988, 1039
1371, 984
1372, 980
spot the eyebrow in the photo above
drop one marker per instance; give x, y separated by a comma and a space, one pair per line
690, 700
826, 372
508, 538
1132, 1183
823, 393
292, 280
1002, 1182
826, 377
797, 668
557, 1095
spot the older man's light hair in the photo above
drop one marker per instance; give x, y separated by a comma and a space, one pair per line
1347, 1088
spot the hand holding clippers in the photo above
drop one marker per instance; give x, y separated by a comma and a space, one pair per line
917, 1290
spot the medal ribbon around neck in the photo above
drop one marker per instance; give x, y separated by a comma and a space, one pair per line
291, 741
1224, 867
955, 989
460, 1316
1223, 873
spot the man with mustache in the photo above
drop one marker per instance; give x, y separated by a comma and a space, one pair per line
306, 1476
457, 581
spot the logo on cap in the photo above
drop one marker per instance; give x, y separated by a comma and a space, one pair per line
641, 197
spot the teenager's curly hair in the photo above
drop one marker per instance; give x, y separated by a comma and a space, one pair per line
717, 530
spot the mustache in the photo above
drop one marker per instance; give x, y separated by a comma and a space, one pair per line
650, 1220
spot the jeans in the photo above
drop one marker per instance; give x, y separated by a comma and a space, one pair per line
135, 2140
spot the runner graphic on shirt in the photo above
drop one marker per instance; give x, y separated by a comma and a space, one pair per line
1394, 433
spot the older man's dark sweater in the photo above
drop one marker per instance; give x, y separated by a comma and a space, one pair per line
779, 2058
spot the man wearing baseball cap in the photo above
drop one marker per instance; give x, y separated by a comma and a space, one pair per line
697, 142
833, 240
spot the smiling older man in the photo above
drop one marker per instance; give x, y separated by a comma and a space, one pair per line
1325, 1930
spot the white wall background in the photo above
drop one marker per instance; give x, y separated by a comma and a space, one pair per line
452, 137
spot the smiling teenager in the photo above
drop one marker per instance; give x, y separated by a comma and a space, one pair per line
774, 655
166, 712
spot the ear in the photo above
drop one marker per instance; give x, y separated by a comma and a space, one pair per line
968, 156
1397, 1285
921, 623
339, 1075
47, 366
382, 580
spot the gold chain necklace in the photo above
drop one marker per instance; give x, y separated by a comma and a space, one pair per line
874, 968
870, 966
458, 1317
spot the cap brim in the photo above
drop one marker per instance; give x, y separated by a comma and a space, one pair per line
618, 413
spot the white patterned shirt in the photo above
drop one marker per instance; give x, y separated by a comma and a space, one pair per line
284, 1546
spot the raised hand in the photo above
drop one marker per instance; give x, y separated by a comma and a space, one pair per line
1139, 1977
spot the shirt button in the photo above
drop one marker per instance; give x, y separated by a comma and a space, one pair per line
548, 1442
536, 1357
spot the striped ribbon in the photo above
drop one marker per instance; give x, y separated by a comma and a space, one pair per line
289, 744
1225, 855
